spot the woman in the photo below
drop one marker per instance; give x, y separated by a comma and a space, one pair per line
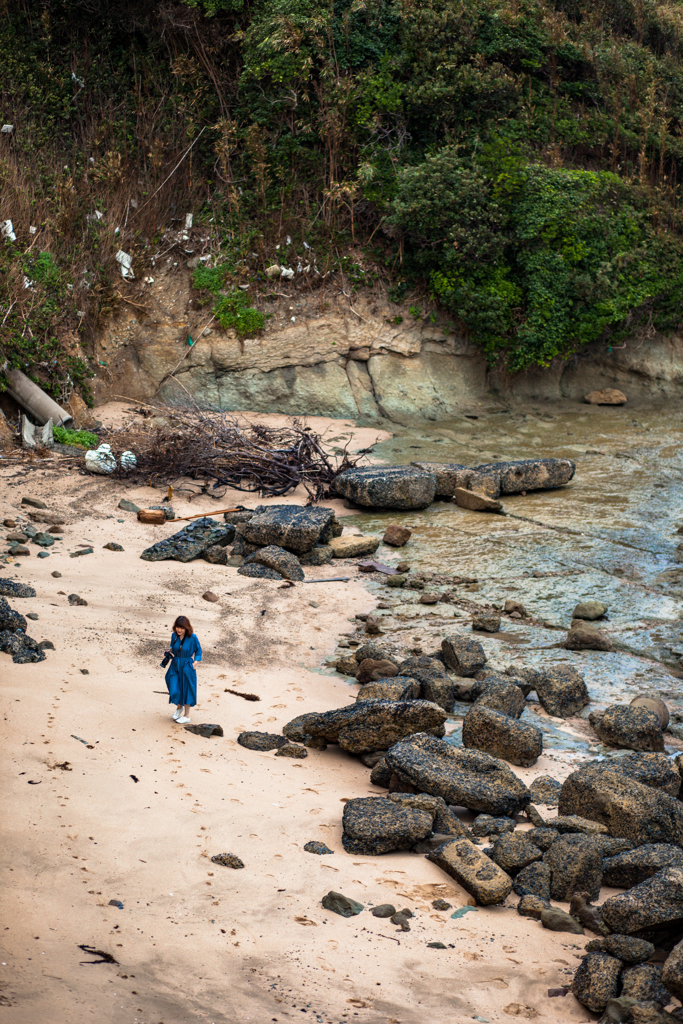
181, 676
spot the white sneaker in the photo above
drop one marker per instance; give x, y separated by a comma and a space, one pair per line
176, 714
182, 721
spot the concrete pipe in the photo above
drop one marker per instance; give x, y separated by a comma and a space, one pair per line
35, 401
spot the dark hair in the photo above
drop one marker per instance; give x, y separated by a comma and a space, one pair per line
183, 623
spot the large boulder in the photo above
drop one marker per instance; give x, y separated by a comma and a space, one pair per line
11, 588
446, 821
499, 696
294, 527
371, 724
23, 649
654, 905
629, 727
651, 768
190, 542
464, 778
463, 654
394, 688
497, 734
9, 619
401, 487
644, 982
626, 948
629, 809
273, 557
436, 684
374, 825
561, 690
575, 863
672, 974
473, 870
513, 851
449, 475
530, 474
533, 880
624, 870
597, 980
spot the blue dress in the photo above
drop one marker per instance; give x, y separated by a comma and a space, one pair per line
181, 676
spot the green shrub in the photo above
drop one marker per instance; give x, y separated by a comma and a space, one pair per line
233, 311
78, 438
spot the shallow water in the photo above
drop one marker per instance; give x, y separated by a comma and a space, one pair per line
609, 535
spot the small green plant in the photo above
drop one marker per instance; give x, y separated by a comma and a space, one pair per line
415, 312
233, 311
77, 438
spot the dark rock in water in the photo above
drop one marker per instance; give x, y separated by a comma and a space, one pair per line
627, 808
672, 974
584, 636
383, 910
76, 599
473, 870
545, 790
316, 847
283, 562
487, 677
497, 734
597, 980
396, 536
320, 554
369, 670
12, 589
113, 546
396, 688
556, 920
291, 750
188, 543
259, 572
624, 870
374, 825
449, 475
562, 691
542, 837
10, 620
532, 906
227, 860
217, 555
644, 983
652, 769
530, 474
514, 851
575, 864
533, 880
294, 527
486, 622
625, 947
625, 726
486, 825
436, 686
441, 905
373, 724
446, 821
463, 654
261, 740
401, 487
499, 696
342, 905
464, 778
656, 902
205, 729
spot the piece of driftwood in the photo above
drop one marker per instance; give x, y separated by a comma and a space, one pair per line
152, 515
245, 696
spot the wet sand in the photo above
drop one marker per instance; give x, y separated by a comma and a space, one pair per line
196, 942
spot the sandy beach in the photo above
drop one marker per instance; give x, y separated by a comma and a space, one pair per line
106, 798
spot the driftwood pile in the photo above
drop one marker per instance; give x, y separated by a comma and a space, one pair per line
216, 448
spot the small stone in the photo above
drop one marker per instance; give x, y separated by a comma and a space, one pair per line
590, 610
33, 502
583, 636
43, 554
261, 740
227, 860
18, 550
291, 750
32, 615
515, 608
396, 536
116, 903
436, 945
57, 575
486, 622
316, 847
597, 980
354, 547
475, 502
429, 598
441, 905
55, 529
342, 905
210, 596
128, 506
75, 599
401, 919
607, 396
112, 546
82, 551
395, 581
545, 790
556, 920
383, 910
372, 626
403, 567
9, 523
205, 729
46, 645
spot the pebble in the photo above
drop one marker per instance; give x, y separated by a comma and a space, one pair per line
83, 551
32, 615
43, 554
57, 575
9, 523
228, 860
429, 598
75, 599
210, 596
113, 546
316, 847
34, 502
116, 903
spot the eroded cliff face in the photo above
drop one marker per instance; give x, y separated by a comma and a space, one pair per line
328, 354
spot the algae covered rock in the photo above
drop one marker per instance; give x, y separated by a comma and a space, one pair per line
626, 948
532, 906
533, 880
473, 870
597, 980
562, 691
283, 562
399, 487
656, 902
10, 588
575, 863
372, 724
463, 655
261, 740
626, 726
294, 527
624, 870
374, 825
487, 825
530, 474
645, 983
520, 743
672, 973
514, 851
257, 571
395, 688
545, 790
190, 542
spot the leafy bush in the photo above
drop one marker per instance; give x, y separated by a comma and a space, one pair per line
232, 310
78, 438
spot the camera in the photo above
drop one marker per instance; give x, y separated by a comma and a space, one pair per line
165, 660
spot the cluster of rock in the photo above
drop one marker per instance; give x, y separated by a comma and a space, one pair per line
418, 485
269, 542
14, 639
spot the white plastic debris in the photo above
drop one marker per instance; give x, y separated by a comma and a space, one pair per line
293, 319
287, 273
27, 283
188, 221
101, 461
7, 230
148, 280
32, 230
244, 287
306, 245
274, 271
125, 261
289, 240
128, 461
7, 129
134, 203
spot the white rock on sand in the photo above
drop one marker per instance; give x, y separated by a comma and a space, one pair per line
196, 941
